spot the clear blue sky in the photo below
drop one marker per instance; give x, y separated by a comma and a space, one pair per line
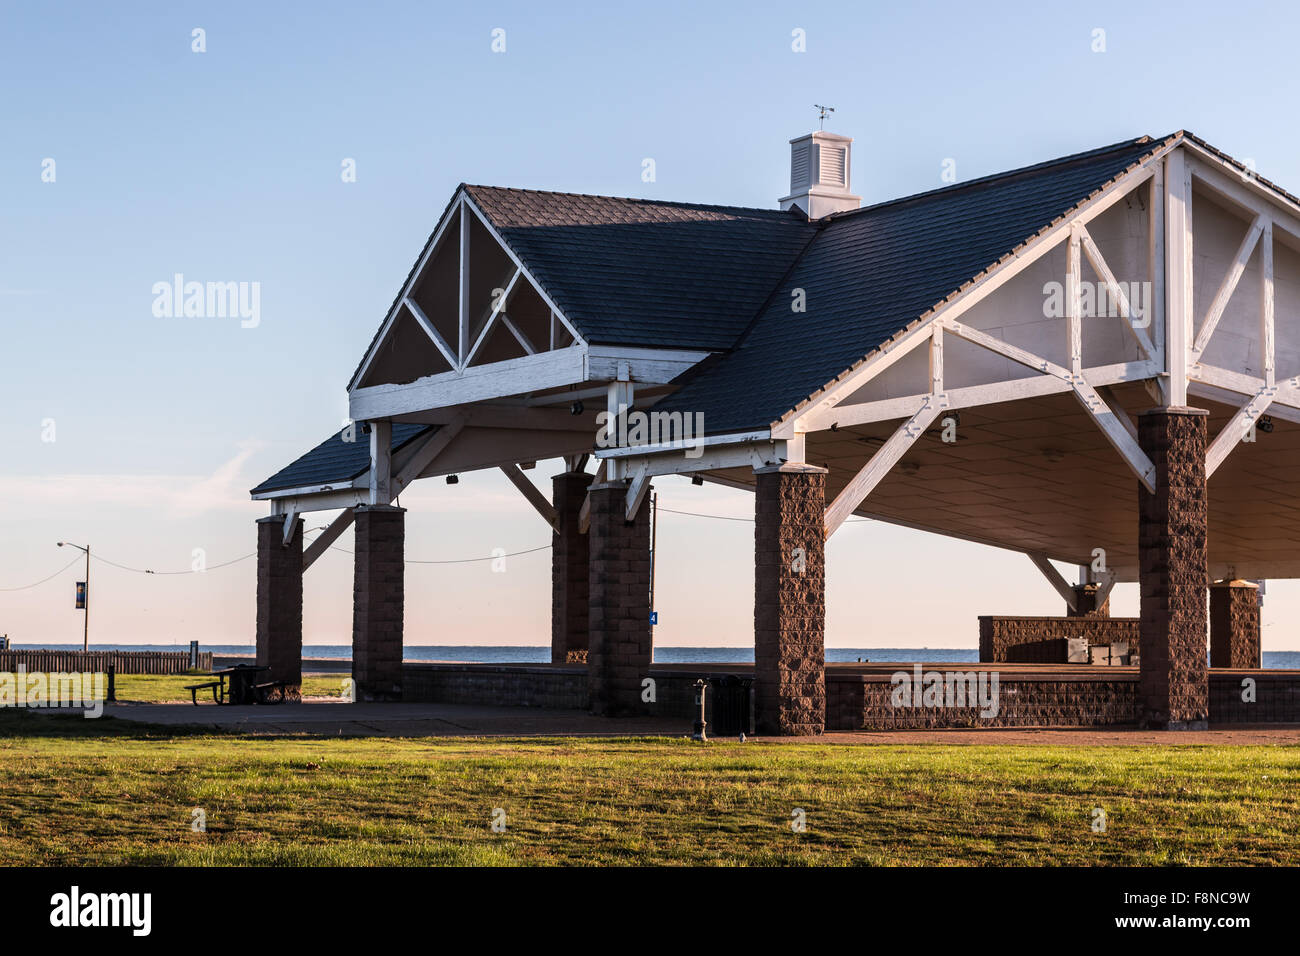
225, 166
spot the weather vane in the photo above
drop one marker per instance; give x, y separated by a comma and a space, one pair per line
821, 114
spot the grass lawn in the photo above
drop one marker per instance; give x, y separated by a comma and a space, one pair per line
158, 688
77, 791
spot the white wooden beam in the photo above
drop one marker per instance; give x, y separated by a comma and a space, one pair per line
1073, 301
871, 474
1178, 275
1121, 438
1267, 307
970, 396
529, 373
463, 310
381, 462
1104, 587
584, 513
423, 321
936, 360
424, 456
1007, 350
988, 283
1227, 287
1108, 393
1156, 267
1117, 293
327, 538
518, 333
1062, 586
534, 496
636, 493
550, 303
497, 309
290, 520
1237, 428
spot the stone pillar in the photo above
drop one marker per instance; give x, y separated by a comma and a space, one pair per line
377, 602
1234, 624
620, 650
569, 570
1173, 688
790, 600
279, 603
1085, 596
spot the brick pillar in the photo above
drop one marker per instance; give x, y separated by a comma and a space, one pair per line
377, 602
619, 654
1085, 595
279, 603
1173, 687
1234, 624
790, 600
569, 570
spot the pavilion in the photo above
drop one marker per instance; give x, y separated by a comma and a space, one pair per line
1092, 360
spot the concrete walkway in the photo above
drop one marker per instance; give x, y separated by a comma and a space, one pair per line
325, 717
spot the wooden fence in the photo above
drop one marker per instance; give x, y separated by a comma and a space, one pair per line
82, 662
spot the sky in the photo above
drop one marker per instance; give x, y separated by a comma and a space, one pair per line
127, 156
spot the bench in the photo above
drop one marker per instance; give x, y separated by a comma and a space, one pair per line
215, 686
263, 693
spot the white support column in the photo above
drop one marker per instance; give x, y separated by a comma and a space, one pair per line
1178, 272
381, 462
1073, 300
1156, 263
618, 402
1267, 340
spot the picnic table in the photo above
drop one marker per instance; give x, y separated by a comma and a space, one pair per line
238, 684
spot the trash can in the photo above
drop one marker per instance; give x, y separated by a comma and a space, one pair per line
731, 706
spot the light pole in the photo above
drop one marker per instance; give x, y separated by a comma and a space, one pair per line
85, 633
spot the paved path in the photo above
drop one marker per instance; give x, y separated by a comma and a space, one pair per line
332, 718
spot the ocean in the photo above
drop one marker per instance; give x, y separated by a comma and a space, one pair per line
535, 653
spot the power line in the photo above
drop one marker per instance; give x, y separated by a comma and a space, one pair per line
206, 567
224, 564
27, 587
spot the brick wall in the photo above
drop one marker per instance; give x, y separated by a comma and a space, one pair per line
1032, 697
569, 568
377, 602
1043, 640
1234, 625
619, 651
279, 603
1054, 698
790, 600
1173, 570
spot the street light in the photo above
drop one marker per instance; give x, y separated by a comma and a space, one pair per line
85, 633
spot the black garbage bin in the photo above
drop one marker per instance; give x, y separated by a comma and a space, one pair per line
731, 706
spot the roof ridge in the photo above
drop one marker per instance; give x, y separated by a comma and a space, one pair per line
765, 211
1004, 175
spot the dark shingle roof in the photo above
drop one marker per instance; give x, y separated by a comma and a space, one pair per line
641, 272
335, 461
872, 272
